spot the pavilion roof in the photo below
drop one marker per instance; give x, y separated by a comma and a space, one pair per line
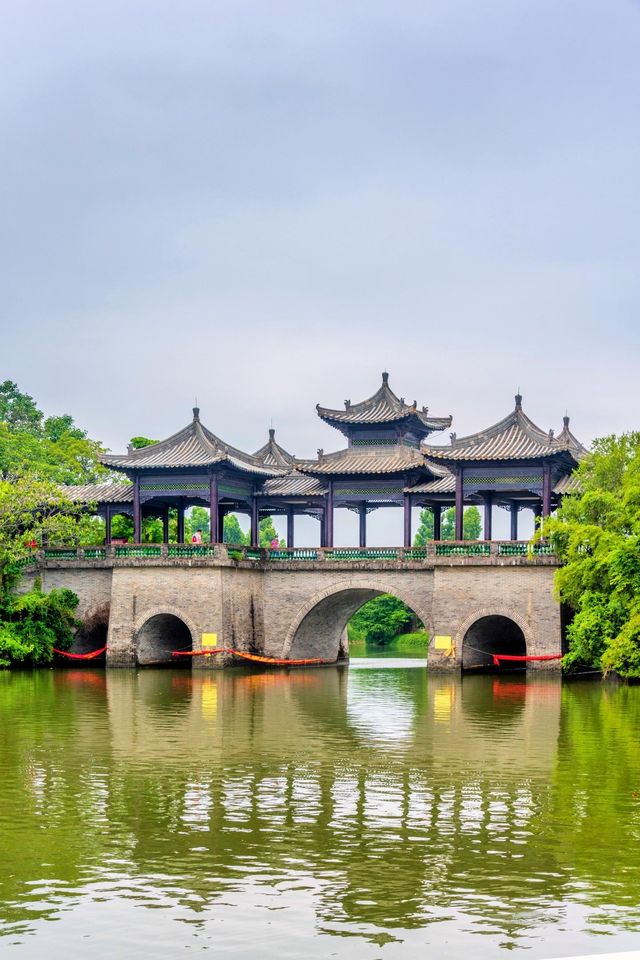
515, 437
193, 446
384, 407
359, 460
293, 484
99, 492
272, 454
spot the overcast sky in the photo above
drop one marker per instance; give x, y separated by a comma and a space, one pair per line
267, 204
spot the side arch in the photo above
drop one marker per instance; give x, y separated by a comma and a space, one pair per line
159, 631
500, 627
318, 624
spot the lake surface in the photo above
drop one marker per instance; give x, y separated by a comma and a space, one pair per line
367, 811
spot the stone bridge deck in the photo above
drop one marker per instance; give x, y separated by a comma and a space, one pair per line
296, 603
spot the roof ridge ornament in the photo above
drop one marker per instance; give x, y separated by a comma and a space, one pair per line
272, 433
518, 400
385, 377
196, 413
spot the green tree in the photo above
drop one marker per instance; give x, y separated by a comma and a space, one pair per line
268, 533
232, 531
382, 619
596, 534
18, 410
139, 442
471, 525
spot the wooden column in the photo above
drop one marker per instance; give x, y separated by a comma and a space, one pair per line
255, 523
165, 525
514, 520
488, 509
107, 526
329, 515
546, 490
181, 522
323, 528
214, 516
290, 527
437, 521
137, 514
407, 519
221, 515
362, 532
459, 503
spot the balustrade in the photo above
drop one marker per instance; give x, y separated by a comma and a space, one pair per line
429, 551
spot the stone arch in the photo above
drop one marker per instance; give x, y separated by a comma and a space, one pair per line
508, 628
318, 624
159, 631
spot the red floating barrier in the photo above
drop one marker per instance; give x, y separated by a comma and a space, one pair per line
497, 657
80, 656
242, 654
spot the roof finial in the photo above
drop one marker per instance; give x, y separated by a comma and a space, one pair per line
565, 420
196, 411
385, 377
518, 400
272, 433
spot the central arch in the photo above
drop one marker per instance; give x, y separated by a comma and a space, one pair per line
158, 636
317, 628
492, 634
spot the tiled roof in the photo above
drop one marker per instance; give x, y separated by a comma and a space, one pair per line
373, 460
272, 454
383, 407
439, 485
100, 493
294, 484
515, 437
567, 484
193, 446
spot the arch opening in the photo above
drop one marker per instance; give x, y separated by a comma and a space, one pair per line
489, 635
322, 630
158, 637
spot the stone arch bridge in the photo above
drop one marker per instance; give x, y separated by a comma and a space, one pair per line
297, 605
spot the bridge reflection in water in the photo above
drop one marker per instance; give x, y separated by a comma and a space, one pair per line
380, 805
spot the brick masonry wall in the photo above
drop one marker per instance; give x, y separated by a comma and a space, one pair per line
300, 610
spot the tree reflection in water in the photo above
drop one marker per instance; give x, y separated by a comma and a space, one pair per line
389, 801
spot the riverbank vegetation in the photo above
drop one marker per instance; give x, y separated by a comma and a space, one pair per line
596, 533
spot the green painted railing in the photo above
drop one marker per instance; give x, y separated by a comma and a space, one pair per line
416, 553
190, 550
146, 550
95, 553
467, 549
295, 553
362, 553
60, 553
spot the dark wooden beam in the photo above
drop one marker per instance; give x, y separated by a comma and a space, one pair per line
215, 533
107, 526
437, 520
328, 523
546, 489
362, 532
459, 503
407, 520
181, 522
488, 510
255, 523
513, 508
137, 515
290, 527
165, 525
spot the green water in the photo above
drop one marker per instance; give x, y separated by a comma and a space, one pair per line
360, 812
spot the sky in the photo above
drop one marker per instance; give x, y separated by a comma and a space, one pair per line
265, 205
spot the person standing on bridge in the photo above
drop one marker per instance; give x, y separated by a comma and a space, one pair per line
197, 537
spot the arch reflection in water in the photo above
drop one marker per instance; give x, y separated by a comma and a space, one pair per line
492, 809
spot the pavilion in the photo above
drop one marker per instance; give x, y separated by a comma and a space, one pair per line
388, 462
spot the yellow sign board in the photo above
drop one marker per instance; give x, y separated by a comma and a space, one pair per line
442, 643
209, 639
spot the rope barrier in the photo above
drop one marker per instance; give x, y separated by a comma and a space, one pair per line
254, 657
80, 656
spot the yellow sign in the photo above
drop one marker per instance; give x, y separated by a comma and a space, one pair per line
209, 639
442, 643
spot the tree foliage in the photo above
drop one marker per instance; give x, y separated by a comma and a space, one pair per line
382, 619
471, 525
596, 533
